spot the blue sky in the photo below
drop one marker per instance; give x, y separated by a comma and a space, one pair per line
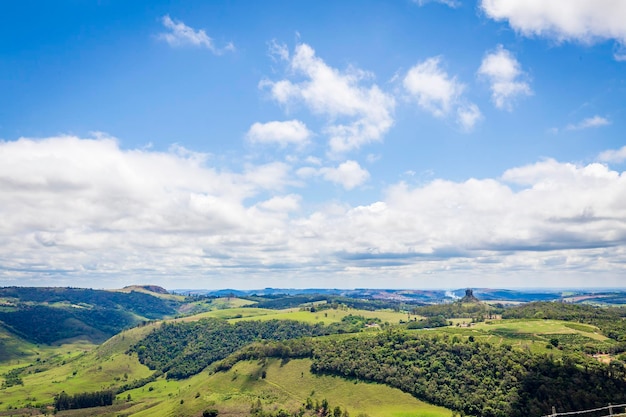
404, 144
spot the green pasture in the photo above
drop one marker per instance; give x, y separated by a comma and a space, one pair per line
230, 313
541, 327
326, 316
320, 316
73, 368
202, 306
287, 385
533, 335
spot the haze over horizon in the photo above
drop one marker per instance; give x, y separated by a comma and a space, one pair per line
354, 144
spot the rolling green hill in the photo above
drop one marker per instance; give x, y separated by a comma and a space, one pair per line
366, 362
59, 315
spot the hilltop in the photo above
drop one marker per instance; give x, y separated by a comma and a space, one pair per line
148, 288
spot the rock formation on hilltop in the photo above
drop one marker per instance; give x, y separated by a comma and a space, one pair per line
469, 297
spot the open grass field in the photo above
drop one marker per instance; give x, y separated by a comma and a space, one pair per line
541, 327
73, 368
13, 349
287, 385
201, 306
528, 334
230, 313
323, 316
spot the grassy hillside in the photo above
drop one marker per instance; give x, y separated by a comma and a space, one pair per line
286, 385
73, 368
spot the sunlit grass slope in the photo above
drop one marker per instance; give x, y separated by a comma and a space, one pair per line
74, 368
287, 385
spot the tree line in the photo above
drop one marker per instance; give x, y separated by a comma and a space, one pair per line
64, 401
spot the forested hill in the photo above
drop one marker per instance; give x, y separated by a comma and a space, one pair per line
50, 315
476, 378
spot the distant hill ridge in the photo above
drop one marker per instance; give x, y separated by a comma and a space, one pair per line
52, 315
152, 288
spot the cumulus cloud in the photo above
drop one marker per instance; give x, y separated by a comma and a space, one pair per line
595, 121
436, 92
613, 155
180, 34
357, 112
94, 205
432, 87
559, 207
72, 207
505, 76
585, 21
349, 174
282, 133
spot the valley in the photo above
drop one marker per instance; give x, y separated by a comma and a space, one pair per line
305, 354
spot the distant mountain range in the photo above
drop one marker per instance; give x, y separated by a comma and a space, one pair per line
598, 296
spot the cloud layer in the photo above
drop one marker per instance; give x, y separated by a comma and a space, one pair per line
72, 207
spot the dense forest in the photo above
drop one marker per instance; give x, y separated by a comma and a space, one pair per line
184, 349
472, 377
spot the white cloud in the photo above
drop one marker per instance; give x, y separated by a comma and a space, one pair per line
505, 76
468, 116
613, 155
282, 204
278, 51
282, 133
357, 113
349, 174
449, 3
182, 35
94, 205
432, 87
585, 21
72, 208
595, 121
556, 211
438, 93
